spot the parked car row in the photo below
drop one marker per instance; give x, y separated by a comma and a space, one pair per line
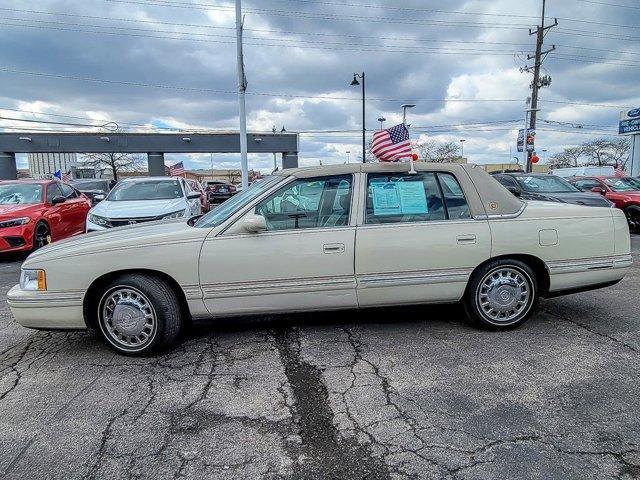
596, 190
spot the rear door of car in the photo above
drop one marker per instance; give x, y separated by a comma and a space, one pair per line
416, 241
303, 261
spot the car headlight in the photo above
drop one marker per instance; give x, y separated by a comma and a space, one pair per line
178, 214
98, 220
14, 222
33, 280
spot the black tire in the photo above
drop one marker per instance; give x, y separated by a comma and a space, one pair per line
495, 287
632, 213
138, 314
41, 235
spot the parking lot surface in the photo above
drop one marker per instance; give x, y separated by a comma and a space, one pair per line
391, 393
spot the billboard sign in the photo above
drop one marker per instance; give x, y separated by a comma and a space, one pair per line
629, 122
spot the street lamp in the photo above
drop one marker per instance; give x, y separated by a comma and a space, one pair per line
354, 83
404, 107
462, 140
381, 119
348, 152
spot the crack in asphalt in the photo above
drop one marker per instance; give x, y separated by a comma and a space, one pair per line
589, 329
326, 454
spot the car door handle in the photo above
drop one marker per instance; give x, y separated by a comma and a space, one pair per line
333, 248
466, 239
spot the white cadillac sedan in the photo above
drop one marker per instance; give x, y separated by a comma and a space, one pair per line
144, 199
334, 237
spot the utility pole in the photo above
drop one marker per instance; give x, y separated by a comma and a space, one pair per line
537, 83
242, 87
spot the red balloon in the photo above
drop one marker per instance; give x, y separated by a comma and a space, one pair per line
535, 159
414, 156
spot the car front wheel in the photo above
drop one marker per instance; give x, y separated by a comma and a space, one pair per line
139, 314
633, 218
501, 295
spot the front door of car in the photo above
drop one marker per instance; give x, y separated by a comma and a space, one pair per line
57, 215
417, 242
303, 260
194, 203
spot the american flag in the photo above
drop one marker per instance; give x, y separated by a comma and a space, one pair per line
176, 170
620, 171
391, 144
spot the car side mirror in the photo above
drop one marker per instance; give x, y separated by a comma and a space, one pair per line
193, 195
516, 191
58, 199
599, 190
253, 223
98, 198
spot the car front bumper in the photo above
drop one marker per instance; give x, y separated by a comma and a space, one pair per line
16, 239
48, 310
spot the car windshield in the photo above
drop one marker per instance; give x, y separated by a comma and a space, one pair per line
223, 211
145, 190
622, 184
97, 185
20, 193
545, 184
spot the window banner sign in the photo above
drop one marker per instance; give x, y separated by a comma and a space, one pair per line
399, 198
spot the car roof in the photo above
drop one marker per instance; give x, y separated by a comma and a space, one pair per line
29, 180
146, 179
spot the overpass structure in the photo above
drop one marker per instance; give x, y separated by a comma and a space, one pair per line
154, 145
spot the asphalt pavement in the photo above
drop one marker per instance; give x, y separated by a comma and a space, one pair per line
390, 393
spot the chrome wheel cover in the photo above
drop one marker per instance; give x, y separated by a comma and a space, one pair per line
127, 318
504, 295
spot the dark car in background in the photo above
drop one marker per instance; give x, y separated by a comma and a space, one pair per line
550, 188
218, 190
94, 188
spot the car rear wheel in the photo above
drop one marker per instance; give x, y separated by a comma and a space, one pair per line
139, 314
501, 295
633, 218
41, 235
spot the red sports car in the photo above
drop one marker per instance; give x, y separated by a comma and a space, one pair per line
624, 192
34, 213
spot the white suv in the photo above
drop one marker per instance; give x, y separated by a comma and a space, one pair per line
144, 199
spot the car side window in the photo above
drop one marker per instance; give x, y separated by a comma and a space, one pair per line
321, 202
506, 181
456, 203
67, 191
53, 191
404, 198
586, 185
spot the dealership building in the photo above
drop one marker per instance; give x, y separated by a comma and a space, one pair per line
44, 165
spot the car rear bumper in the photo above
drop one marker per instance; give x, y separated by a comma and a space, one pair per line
47, 310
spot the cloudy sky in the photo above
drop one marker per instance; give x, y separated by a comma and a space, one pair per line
160, 64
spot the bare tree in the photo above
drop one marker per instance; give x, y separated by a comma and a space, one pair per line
114, 162
607, 152
569, 157
436, 151
234, 176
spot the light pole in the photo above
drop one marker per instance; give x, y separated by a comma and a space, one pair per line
275, 160
381, 119
355, 82
544, 155
404, 107
462, 140
242, 86
348, 152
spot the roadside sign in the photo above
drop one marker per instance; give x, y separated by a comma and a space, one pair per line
531, 136
629, 122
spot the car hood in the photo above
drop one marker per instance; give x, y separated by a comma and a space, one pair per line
16, 210
142, 235
577, 198
138, 208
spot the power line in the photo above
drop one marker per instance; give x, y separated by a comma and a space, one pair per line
594, 2
307, 44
